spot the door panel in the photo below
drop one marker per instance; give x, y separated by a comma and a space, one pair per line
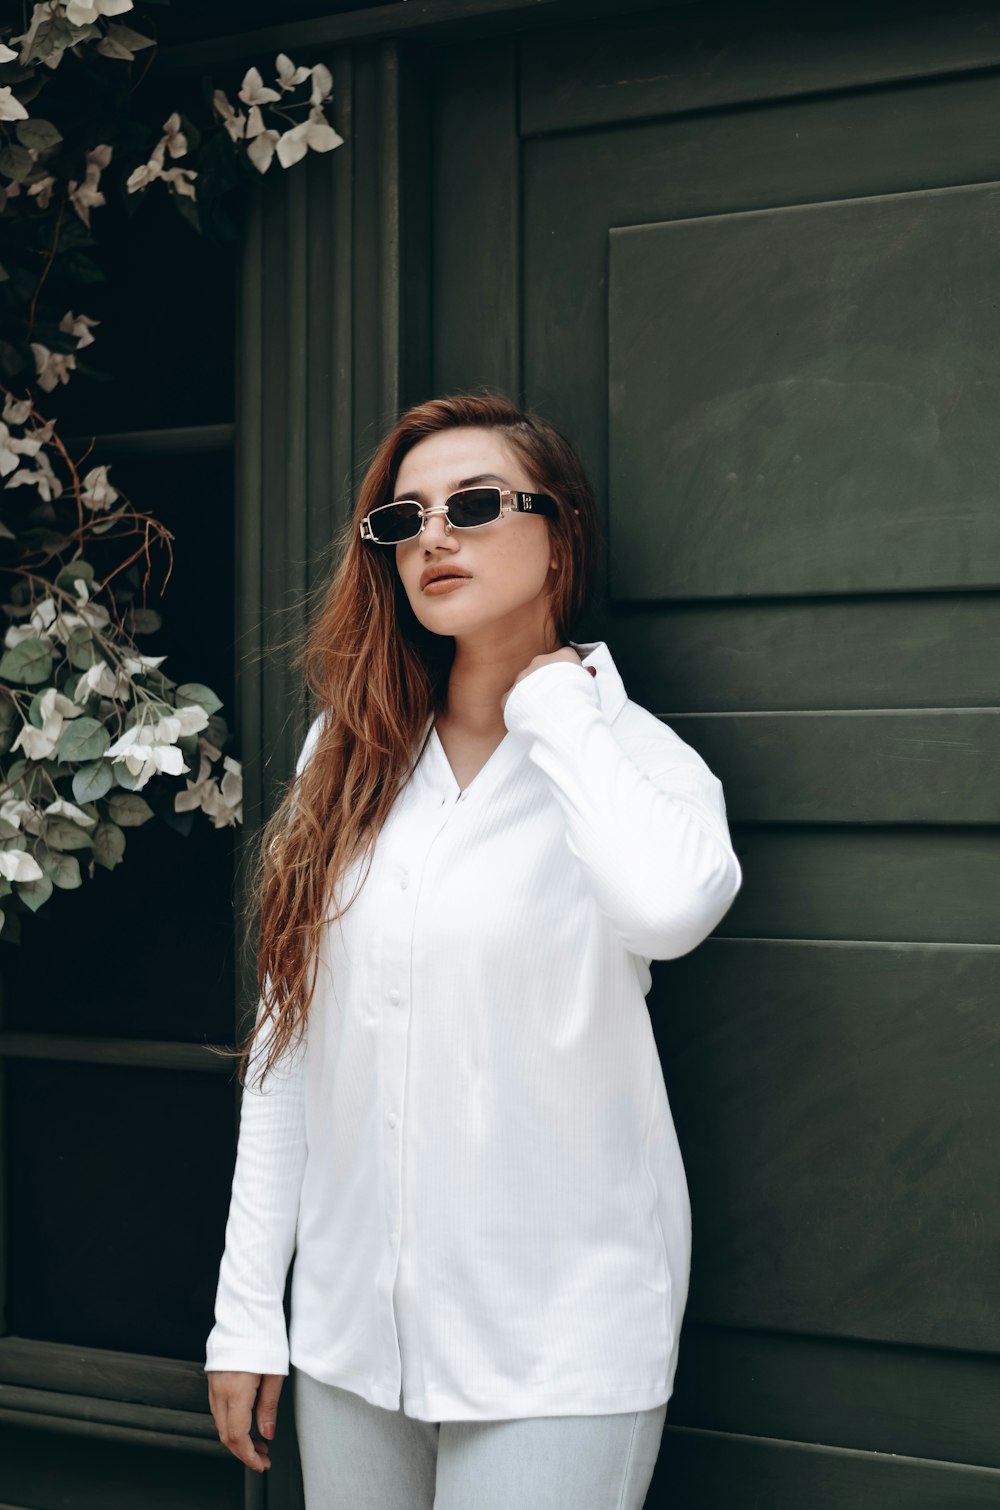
772, 332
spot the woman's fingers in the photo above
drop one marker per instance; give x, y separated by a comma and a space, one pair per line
232, 1396
267, 1403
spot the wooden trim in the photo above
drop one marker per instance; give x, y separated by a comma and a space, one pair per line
711, 59
105, 1431
17, 1402
441, 20
172, 1384
917, 1402
183, 440
135, 1052
899, 1459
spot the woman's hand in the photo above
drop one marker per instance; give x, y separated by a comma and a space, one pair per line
567, 653
231, 1394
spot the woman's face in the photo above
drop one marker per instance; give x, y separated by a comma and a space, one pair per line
509, 561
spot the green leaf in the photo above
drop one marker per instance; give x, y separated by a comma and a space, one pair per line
34, 894
38, 134
82, 739
62, 833
29, 662
92, 781
63, 871
128, 809
81, 651
124, 777
109, 48
143, 621
16, 162
109, 845
10, 723
137, 40
194, 692
79, 568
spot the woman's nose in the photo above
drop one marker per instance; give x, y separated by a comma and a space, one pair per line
436, 526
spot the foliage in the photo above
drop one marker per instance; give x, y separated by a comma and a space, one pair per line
93, 733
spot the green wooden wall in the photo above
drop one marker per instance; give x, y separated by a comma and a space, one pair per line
745, 257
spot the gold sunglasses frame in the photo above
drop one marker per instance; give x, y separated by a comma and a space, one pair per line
512, 501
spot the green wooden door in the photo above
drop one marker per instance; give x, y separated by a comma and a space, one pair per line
753, 270
748, 261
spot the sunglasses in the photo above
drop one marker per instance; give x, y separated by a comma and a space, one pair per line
404, 519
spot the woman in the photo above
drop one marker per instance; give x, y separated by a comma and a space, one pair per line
468, 1145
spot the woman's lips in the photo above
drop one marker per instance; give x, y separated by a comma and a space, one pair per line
444, 584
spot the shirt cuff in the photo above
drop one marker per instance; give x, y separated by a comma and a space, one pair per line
541, 702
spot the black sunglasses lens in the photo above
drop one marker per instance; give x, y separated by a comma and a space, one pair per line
395, 522
474, 506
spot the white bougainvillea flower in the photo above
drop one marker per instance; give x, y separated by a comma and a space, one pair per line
137, 665
13, 446
322, 84
86, 12
15, 410
187, 720
146, 172
96, 615
63, 626
262, 140
44, 615
51, 367
55, 709
35, 743
193, 792
42, 477
101, 679
18, 865
79, 326
181, 180
315, 131
144, 755
222, 803
84, 196
288, 74
97, 492
11, 108
234, 121
61, 808
174, 139
253, 90
41, 189
16, 633
16, 810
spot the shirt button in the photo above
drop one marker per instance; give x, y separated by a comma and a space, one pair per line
394, 996
392, 1119
404, 882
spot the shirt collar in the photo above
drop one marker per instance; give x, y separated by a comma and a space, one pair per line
432, 763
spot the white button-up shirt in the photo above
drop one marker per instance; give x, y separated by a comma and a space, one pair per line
471, 1152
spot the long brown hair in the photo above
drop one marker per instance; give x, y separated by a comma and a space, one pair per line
380, 675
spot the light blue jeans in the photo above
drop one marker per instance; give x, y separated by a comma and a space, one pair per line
357, 1456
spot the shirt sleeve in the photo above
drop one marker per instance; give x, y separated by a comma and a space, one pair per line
250, 1331
645, 816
